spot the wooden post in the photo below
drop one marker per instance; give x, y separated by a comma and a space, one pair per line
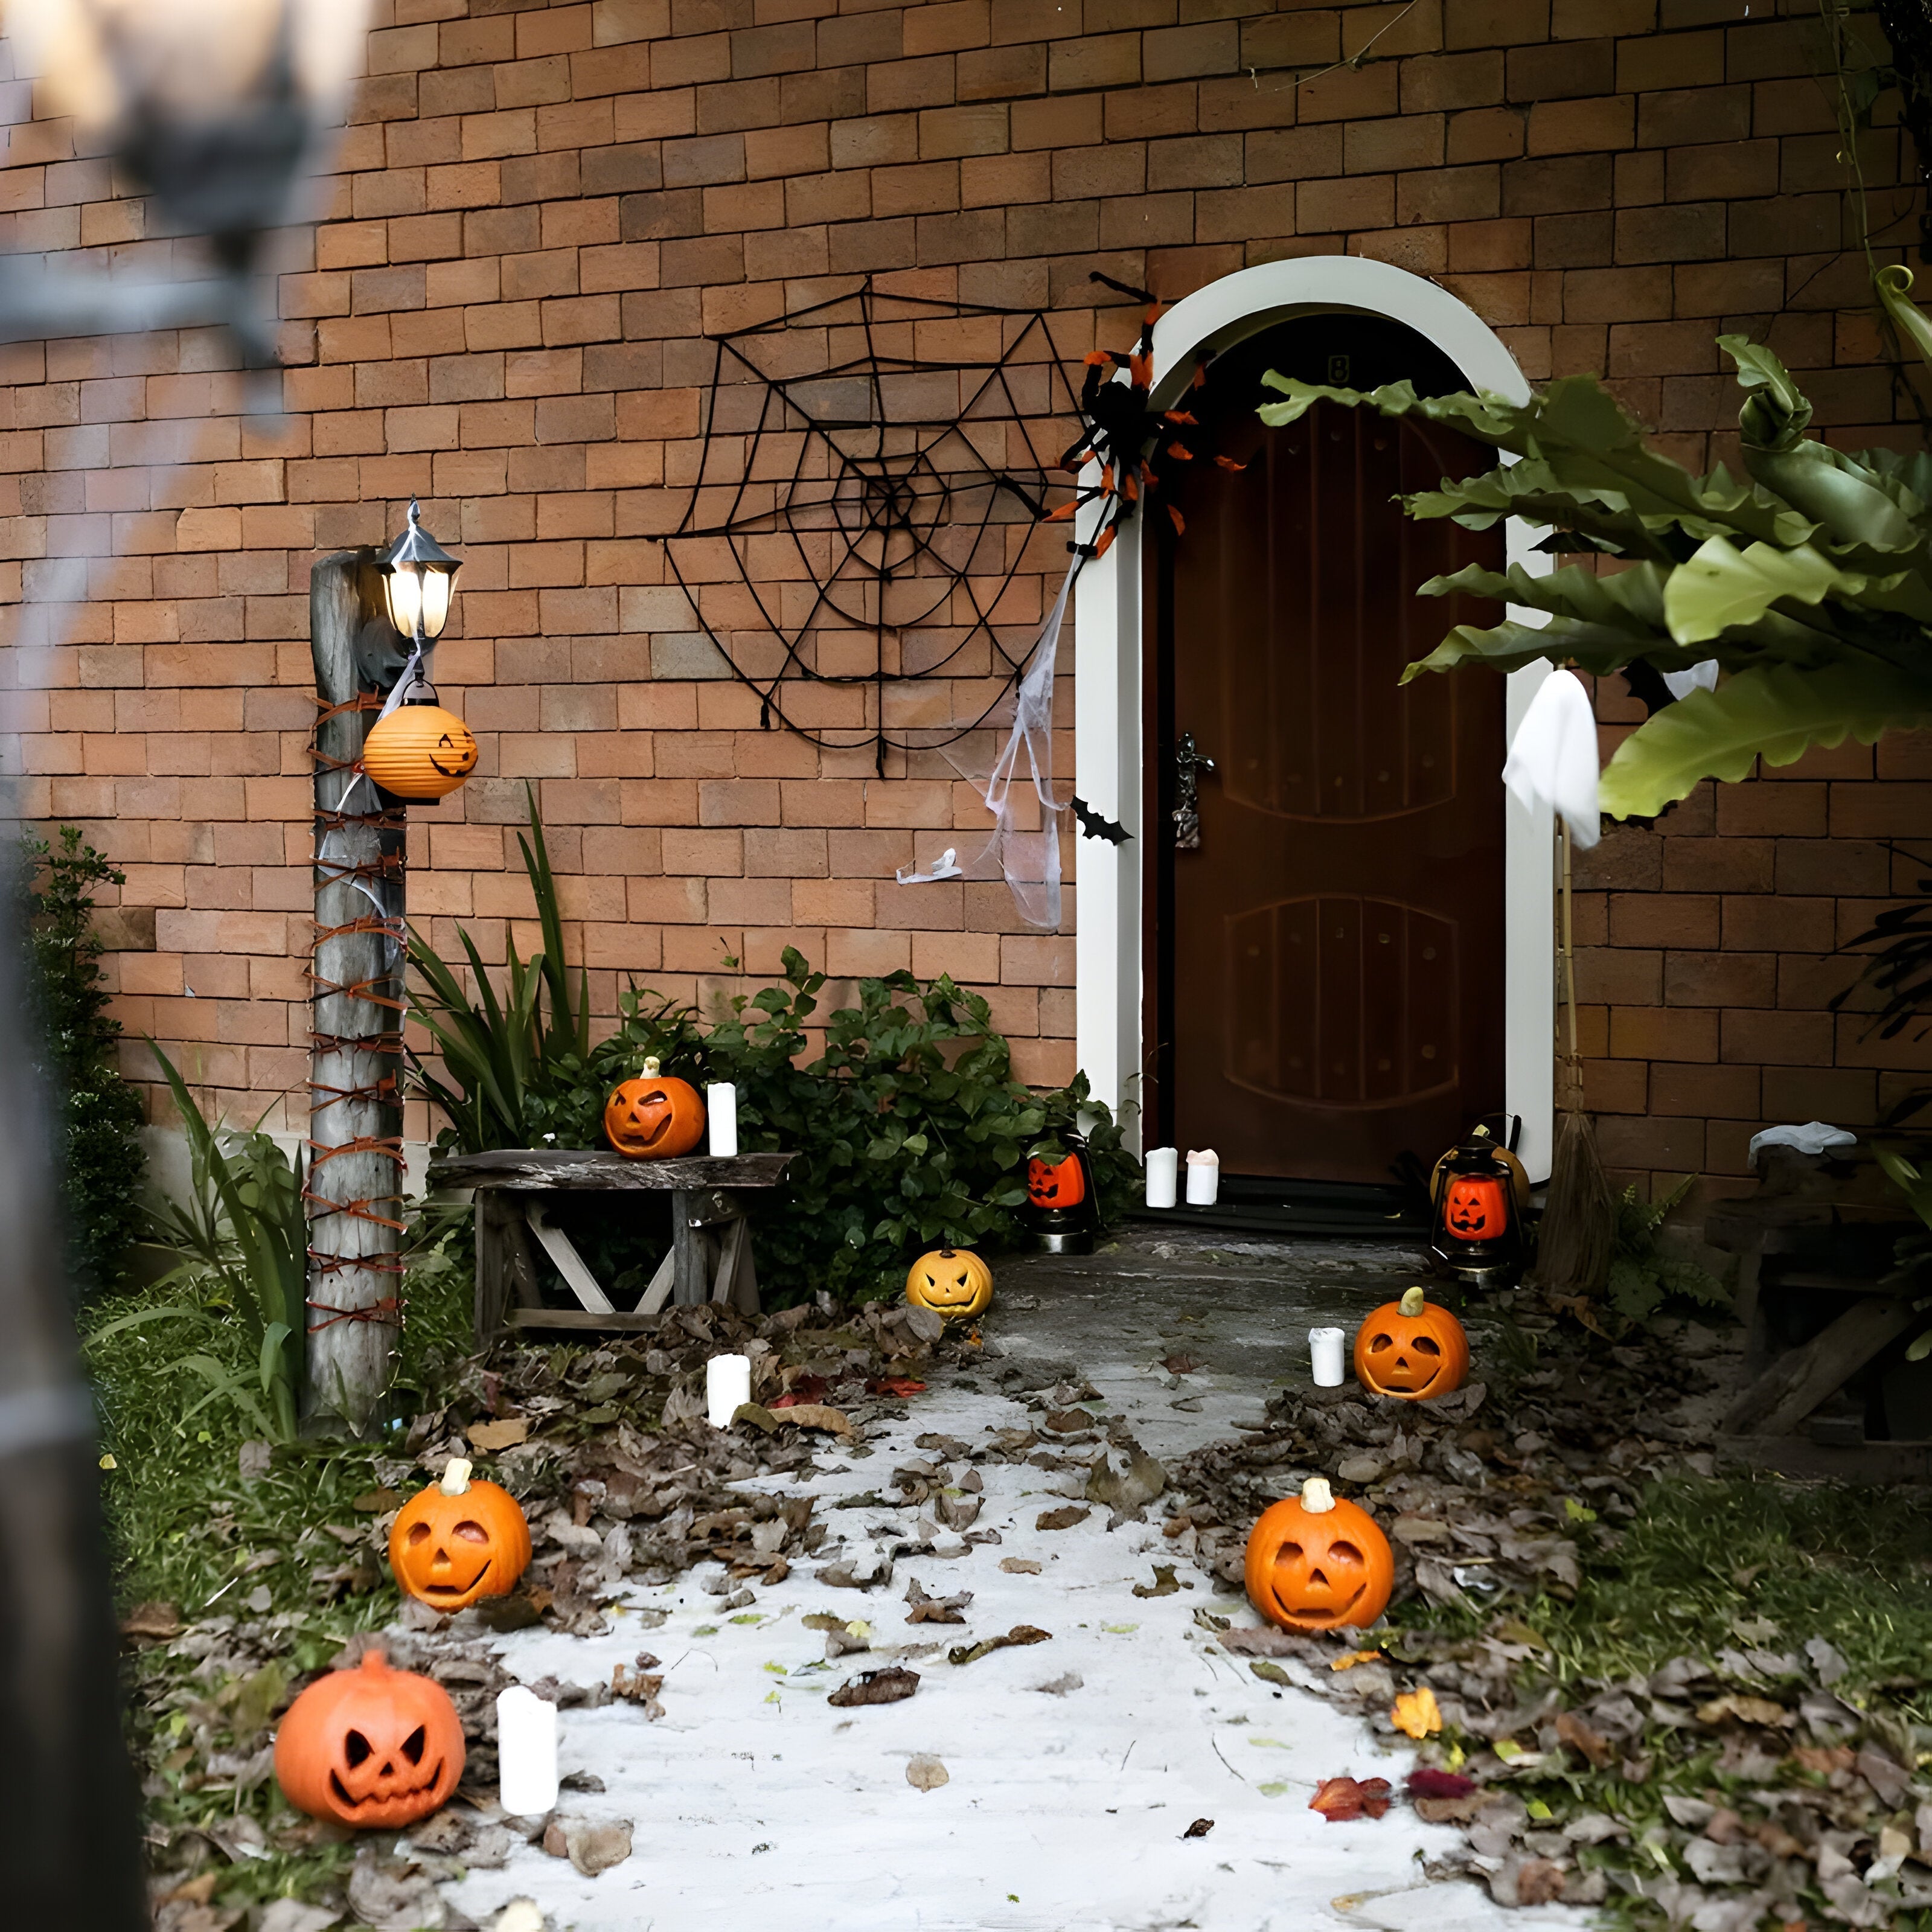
355, 1148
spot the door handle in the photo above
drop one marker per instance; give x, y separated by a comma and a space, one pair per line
1188, 763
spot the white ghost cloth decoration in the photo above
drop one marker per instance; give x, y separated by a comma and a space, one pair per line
1552, 760
1700, 677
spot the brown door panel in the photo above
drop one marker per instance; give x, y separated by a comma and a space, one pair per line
1329, 960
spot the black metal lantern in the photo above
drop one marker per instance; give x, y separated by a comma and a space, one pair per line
1061, 1207
419, 580
1476, 1233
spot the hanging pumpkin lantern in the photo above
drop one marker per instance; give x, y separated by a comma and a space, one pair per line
1477, 1233
952, 1281
369, 1746
1060, 1206
1315, 1562
419, 751
457, 1540
652, 1118
1414, 1349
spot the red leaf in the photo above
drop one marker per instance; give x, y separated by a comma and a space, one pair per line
894, 1385
1180, 521
1339, 1799
1424, 1783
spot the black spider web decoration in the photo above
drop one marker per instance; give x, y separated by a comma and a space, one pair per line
870, 470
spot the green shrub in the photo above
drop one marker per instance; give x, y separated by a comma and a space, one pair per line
98, 1114
909, 1130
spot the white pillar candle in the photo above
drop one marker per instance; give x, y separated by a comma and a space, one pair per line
727, 1383
1163, 1174
1324, 1349
1204, 1177
525, 1752
720, 1119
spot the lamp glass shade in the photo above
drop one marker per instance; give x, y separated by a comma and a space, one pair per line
419, 576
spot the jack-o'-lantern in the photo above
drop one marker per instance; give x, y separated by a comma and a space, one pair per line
1061, 1207
458, 1541
419, 751
1414, 1349
1477, 1235
1062, 1185
369, 1746
952, 1281
1315, 1562
653, 1118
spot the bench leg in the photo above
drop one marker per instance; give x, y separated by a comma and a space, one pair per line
690, 1253
505, 1271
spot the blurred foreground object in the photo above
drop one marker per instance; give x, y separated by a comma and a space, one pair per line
220, 109
68, 1849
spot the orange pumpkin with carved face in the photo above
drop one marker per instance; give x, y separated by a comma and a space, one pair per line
954, 1283
1063, 1185
459, 1540
1414, 1349
1315, 1562
652, 1118
369, 1746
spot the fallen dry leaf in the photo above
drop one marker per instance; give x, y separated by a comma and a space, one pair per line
1746, 1710
1067, 1421
818, 1415
876, 1687
1061, 1519
1339, 1799
156, 1620
899, 1385
1163, 1585
1539, 1881
1182, 1364
1426, 1781
926, 1609
491, 1436
1199, 1828
1350, 1658
1417, 1714
1020, 1633
925, 1772
1019, 1566
1592, 1744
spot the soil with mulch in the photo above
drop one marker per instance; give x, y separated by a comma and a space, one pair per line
1747, 1782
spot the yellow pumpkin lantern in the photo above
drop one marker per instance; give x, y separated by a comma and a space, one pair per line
419, 751
952, 1281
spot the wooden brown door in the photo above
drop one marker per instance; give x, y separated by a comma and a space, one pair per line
1329, 984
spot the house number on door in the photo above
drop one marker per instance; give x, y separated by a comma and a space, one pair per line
1188, 763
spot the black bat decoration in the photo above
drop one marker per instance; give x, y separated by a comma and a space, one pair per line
1093, 826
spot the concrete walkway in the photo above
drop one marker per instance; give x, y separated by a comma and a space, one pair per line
1075, 1766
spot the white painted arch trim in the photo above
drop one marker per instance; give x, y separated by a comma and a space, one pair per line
1107, 750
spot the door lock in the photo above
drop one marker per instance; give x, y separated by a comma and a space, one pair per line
1188, 763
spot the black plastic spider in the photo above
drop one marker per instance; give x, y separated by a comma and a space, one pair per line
1121, 430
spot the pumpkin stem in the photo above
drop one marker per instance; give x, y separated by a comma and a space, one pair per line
455, 1478
650, 1068
1317, 1498
1413, 1301
374, 1659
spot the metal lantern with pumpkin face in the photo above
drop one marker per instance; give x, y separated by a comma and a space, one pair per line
1061, 1207
1477, 1235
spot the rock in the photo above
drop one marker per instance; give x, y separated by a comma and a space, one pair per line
924, 1772
290, 1915
592, 1846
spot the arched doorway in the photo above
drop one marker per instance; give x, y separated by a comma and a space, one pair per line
1324, 985
1117, 886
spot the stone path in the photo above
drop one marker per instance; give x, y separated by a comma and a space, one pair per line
1064, 1810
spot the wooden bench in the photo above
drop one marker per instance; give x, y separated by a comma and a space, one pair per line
710, 1257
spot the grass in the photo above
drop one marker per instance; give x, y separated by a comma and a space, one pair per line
185, 1527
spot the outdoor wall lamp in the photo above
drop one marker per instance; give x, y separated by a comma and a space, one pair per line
418, 580
220, 109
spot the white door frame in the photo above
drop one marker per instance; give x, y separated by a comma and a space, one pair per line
1107, 662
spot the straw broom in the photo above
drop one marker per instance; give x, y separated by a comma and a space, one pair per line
1573, 1249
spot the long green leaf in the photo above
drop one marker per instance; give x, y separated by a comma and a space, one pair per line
1723, 587
1777, 713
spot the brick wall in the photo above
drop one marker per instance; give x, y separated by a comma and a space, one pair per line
538, 209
